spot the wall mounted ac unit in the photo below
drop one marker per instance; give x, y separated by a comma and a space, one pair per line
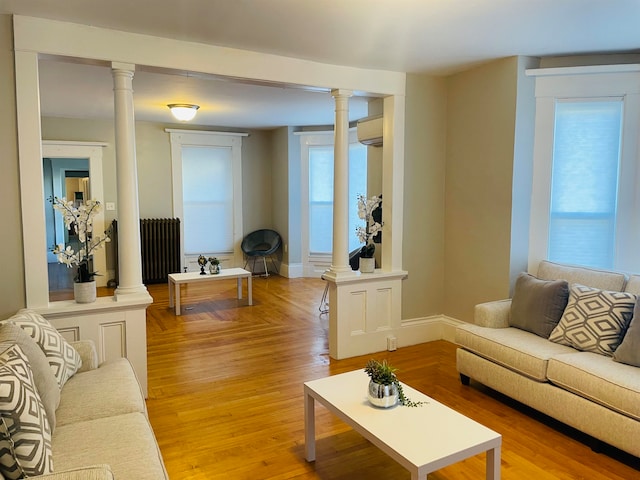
370, 131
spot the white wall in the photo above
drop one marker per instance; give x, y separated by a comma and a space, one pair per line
153, 155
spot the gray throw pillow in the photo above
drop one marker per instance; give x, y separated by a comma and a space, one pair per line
629, 350
25, 434
45, 380
595, 320
537, 305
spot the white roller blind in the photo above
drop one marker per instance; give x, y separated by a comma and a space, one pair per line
584, 188
321, 195
207, 186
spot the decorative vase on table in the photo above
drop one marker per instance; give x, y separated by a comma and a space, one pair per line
384, 389
383, 396
214, 266
79, 219
202, 261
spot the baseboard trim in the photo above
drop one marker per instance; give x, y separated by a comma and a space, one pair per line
427, 329
291, 270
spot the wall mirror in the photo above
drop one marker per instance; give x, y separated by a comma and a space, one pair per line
72, 170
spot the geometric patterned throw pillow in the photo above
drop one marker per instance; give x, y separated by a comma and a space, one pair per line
595, 320
63, 359
25, 436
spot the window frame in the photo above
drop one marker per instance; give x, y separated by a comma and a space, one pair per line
197, 138
583, 84
314, 264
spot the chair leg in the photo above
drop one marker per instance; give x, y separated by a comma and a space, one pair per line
275, 265
324, 303
266, 270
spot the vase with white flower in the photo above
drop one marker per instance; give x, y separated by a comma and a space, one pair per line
366, 207
80, 220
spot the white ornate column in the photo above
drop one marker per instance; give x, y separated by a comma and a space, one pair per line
129, 258
365, 309
340, 254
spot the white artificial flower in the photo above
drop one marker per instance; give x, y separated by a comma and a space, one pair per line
82, 219
366, 206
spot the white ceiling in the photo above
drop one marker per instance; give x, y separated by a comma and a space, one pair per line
418, 36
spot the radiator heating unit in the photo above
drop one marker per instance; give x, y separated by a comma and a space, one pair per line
159, 248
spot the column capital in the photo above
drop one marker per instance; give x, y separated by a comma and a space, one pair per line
341, 92
127, 67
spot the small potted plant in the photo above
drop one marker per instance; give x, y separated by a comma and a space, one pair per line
384, 388
214, 266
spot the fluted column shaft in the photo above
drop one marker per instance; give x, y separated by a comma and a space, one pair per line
129, 259
340, 257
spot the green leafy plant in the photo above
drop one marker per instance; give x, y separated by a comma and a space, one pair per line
385, 374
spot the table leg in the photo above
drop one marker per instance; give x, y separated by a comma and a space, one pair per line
239, 280
177, 285
309, 428
249, 290
493, 463
170, 293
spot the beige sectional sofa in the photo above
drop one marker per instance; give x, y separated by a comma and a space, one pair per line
584, 376
94, 426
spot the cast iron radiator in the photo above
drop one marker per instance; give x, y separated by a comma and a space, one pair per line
159, 248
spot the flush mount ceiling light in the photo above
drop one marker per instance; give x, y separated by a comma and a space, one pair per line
183, 111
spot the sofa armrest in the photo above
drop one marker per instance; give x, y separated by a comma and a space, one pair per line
93, 472
88, 353
492, 314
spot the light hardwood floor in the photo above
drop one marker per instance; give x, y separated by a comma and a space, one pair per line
225, 396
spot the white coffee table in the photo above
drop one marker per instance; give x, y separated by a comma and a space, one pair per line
422, 439
177, 279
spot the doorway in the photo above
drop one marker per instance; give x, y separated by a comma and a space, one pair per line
63, 178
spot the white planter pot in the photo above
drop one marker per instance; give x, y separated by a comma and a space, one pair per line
367, 265
84, 292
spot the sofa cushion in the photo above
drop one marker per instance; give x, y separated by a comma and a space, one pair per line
124, 442
600, 379
602, 279
513, 348
629, 350
92, 472
111, 389
537, 305
633, 285
45, 381
25, 435
88, 354
595, 320
63, 359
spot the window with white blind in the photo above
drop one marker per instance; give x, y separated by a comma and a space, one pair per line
321, 195
584, 182
207, 211
586, 185
317, 196
207, 194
